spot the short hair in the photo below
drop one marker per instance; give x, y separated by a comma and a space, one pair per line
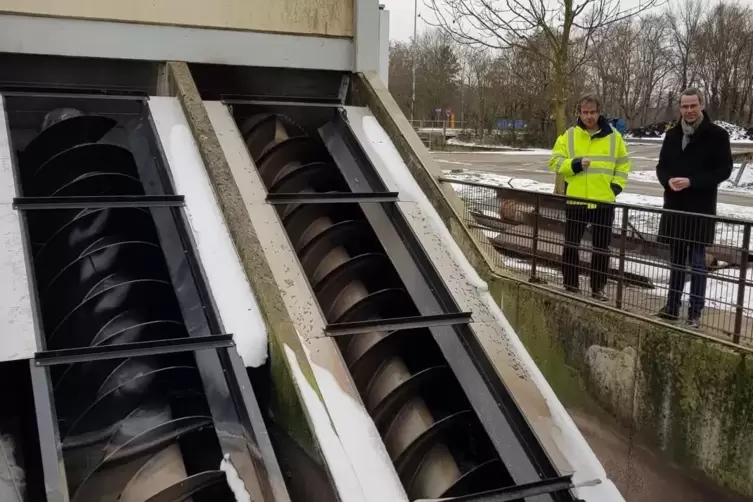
589, 98
692, 91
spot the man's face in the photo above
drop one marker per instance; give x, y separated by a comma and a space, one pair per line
690, 108
589, 115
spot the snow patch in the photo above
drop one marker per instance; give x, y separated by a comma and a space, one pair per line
736, 133
500, 149
229, 285
345, 447
457, 142
234, 480
361, 441
443, 161
402, 176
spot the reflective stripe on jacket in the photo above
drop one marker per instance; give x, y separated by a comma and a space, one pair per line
610, 165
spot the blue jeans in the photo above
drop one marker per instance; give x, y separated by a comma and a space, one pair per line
682, 254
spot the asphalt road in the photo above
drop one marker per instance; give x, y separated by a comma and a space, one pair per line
533, 166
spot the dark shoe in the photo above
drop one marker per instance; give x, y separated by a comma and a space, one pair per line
599, 295
572, 289
694, 321
665, 314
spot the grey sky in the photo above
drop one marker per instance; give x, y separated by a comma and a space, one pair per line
401, 15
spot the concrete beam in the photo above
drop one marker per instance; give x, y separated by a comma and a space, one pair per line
286, 401
366, 40
113, 40
384, 45
330, 18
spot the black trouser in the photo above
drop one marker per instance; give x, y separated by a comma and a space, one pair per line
681, 254
577, 219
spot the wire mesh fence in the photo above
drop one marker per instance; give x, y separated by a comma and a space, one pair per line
688, 269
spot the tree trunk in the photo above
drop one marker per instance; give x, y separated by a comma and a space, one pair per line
560, 122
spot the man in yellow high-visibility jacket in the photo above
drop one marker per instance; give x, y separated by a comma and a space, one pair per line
593, 159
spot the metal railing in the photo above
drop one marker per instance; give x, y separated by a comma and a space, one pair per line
524, 232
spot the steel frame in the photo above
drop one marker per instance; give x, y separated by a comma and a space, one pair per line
135, 349
398, 323
97, 202
240, 428
331, 198
519, 492
507, 428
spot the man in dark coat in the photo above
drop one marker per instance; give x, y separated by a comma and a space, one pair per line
695, 158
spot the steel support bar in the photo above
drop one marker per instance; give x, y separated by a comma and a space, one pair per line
97, 201
398, 323
136, 349
518, 448
53, 464
331, 198
305, 102
259, 444
519, 492
13, 91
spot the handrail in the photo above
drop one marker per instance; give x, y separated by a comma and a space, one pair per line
649, 209
539, 240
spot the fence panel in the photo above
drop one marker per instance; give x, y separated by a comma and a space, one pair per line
616, 251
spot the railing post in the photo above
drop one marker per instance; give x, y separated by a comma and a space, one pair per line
744, 252
535, 238
623, 245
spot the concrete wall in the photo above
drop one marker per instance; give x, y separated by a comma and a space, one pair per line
306, 17
687, 397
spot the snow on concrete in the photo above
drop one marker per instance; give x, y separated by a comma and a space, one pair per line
350, 443
389, 155
17, 329
229, 285
234, 480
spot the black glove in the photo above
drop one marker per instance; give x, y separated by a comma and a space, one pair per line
576, 165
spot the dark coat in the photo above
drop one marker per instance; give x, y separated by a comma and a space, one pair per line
707, 162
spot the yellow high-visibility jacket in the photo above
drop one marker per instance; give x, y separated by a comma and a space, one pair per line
608, 173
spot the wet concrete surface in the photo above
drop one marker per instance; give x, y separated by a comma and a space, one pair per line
640, 475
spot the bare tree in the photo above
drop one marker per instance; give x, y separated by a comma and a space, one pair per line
401, 62
724, 49
568, 27
684, 20
630, 66
637, 65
